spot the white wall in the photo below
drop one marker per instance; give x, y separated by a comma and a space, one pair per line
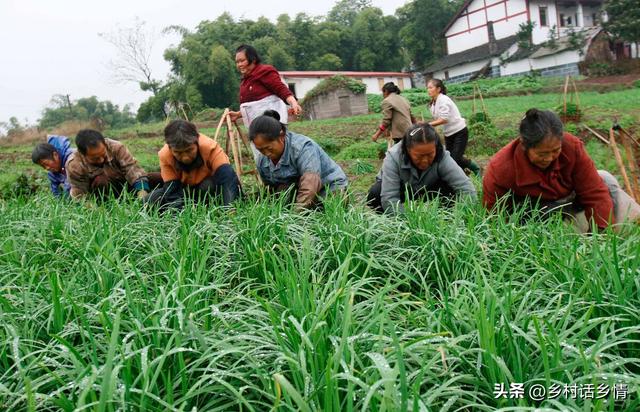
540, 34
471, 31
526, 65
304, 84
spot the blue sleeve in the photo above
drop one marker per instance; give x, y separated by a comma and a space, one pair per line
54, 184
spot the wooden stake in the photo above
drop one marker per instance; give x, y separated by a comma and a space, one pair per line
598, 135
564, 95
629, 136
230, 136
633, 169
222, 119
616, 153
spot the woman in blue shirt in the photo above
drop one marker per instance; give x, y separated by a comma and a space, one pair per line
288, 159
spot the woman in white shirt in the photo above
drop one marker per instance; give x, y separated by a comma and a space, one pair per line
445, 113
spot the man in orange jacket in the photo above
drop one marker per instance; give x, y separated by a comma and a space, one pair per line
192, 164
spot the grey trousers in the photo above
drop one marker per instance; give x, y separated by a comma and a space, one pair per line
625, 208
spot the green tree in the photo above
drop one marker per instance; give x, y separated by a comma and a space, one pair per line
624, 19
344, 12
278, 57
421, 23
328, 61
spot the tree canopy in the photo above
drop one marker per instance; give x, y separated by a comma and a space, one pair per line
352, 36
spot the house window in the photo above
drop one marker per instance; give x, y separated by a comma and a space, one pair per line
292, 87
565, 20
594, 19
543, 17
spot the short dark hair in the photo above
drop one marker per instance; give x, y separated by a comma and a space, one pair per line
390, 87
421, 133
87, 138
180, 133
43, 151
250, 52
536, 125
267, 125
439, 83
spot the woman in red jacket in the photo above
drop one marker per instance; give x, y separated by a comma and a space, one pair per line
261, 88
552, 169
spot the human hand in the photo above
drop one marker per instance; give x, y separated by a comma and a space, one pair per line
234, 116
375, 137
297, 109
142, 194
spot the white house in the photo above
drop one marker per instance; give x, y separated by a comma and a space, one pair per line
300, 82
482, 38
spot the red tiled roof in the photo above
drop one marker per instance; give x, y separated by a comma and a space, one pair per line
348, 74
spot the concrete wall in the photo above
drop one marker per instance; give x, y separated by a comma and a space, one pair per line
338, 103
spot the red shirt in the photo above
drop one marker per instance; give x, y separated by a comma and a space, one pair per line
263, 81
510, 170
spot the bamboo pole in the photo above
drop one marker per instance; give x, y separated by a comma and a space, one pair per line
633, 168
629, 136
222, 119
230, 136
598, 135
564, 95
616, 153
246, 142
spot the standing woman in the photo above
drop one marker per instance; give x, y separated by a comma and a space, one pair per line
261, 88
396, 113
445, 112
287, 159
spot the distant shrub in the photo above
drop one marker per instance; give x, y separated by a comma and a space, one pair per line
26, 184
363, 150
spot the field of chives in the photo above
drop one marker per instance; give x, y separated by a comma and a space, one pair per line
116, 307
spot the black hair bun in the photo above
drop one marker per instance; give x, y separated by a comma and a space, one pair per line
272, 113
532, 114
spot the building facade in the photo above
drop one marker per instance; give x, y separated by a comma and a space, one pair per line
485, 38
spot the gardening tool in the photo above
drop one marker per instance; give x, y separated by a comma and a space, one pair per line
598, 135
616, 153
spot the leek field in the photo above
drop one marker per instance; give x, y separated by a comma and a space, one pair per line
116, 307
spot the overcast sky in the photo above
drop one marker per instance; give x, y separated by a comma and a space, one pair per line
52, 46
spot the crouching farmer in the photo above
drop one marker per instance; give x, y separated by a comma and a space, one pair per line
549, 168
195, 166
418, 168
290, 160
52, 156
104, 167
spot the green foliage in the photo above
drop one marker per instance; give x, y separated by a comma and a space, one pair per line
420, 27
328, 61
363, 150
523, 35
479, 117
84, 109
25, 184
603, 69
362, 168
334, 83
577, 40
636, 84
120, 307
623, 18
572, 109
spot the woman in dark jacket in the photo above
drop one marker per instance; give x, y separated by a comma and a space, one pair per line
420, 166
